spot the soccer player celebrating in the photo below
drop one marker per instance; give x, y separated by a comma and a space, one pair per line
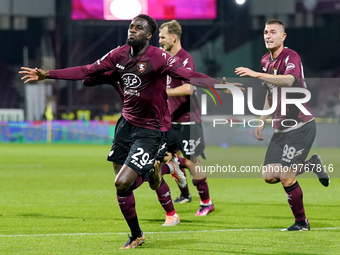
163, 191
281, 67
142, 69
186, 132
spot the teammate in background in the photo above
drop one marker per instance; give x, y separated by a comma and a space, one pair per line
186, 133
289, 146
143, 70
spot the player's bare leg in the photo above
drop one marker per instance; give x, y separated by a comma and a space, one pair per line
178, 174
156, 177
271, 173
185, 196
171, 166
116, 168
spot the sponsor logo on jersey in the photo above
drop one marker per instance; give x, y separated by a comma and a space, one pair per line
120, 66
162, 147
185, 62
286, 60
168, 194
289, 197
131, 80
132, 92
274, 71
198, 141
299, 152
141, 67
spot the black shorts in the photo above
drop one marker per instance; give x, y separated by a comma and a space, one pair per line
187, 138
292, 147
135, 147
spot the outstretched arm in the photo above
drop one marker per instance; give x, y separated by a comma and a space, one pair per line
199, 79
188, 89
227, 91
33, 74
99, 79
106, 63
180, 91
71, 73
278, 80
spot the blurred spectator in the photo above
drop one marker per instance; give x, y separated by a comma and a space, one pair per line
110, 115
83, 114
67, 115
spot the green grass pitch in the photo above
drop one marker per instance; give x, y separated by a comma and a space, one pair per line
60, 199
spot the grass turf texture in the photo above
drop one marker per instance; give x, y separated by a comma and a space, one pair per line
60, 199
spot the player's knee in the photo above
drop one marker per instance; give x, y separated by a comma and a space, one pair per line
194, 160
271, 180
122, 186
268, 180
286, 182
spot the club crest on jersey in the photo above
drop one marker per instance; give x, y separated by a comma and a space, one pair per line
168, 80
274, 71
171, 61
141, 67
290, 66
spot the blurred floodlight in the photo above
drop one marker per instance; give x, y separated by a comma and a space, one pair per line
240, 2
125, 9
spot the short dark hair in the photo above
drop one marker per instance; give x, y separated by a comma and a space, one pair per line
276, 21
151, 22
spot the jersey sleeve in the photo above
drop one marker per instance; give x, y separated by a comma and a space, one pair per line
106, 63
108, 77
188, 63
263, 70
167, 65
293, 66
192, 77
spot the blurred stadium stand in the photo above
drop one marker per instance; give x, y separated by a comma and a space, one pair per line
41, 33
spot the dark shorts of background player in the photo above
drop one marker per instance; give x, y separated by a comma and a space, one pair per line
292, 147
135, 147
187, 138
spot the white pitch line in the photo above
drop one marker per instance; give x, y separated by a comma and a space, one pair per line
161, 232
